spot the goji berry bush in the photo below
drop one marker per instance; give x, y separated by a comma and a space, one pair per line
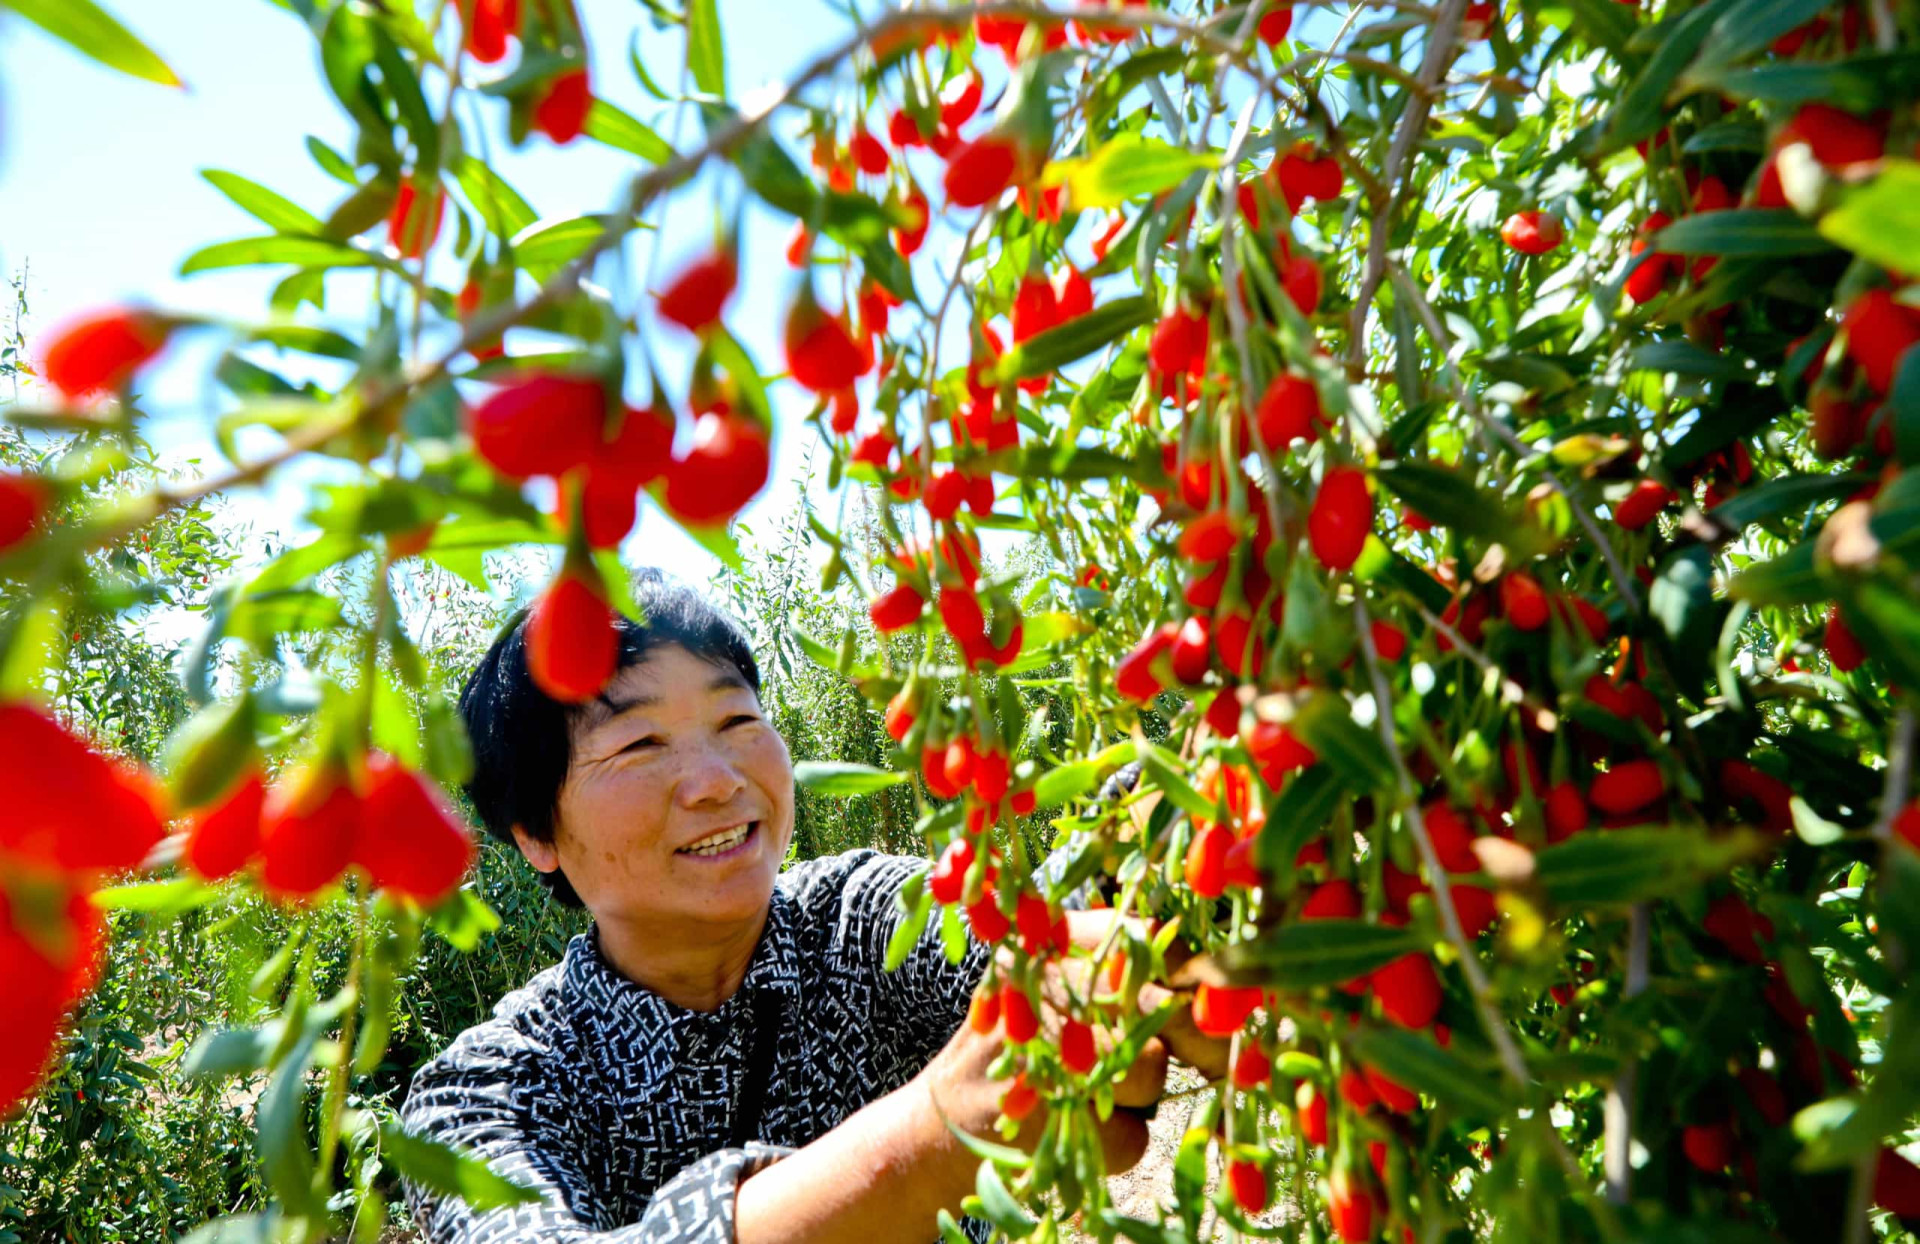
1467, 444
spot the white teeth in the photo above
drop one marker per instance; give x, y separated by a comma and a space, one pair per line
719, 843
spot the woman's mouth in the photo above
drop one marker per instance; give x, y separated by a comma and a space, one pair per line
723, 843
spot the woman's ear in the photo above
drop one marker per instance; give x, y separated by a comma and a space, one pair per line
541, 855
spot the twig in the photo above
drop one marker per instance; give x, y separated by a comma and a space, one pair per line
1617, 1157
1441, 38
1893, 796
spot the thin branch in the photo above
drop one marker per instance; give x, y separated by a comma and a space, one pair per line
1617, 1113
1441, 40
1893, 797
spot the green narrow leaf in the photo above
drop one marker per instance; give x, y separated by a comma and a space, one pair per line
1642, 107
1325, 723
1742, 410
1117, 83
1606, 23
463, 920
1681, 600
280, 1127
302, 562
233, 1051
443, 1169
94, 32
499, 204
1314, 953
1742, 231
706, 54
1683, 358
278, 249
1163, 772
841, 778
402, 85
908, 931
1880, 221
1074, 340
1737, 134
1416, 582
998, 1206
1057, 785
1451, 500
607, 124
331, 162
270, 209
309, 339
1129, 167
1416, 1060
1298, 816
544, 249
1903, 407
1787, 494
1632, 865
169, 898
1859, 84
1750, 25
1793, 578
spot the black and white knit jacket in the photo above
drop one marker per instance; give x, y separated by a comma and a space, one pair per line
631, 1115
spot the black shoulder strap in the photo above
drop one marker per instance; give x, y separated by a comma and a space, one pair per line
753, 1089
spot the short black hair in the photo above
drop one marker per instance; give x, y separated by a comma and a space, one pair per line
523, 738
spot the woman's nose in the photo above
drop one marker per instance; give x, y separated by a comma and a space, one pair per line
708, 776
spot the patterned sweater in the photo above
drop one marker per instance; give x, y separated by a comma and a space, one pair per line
633, 1116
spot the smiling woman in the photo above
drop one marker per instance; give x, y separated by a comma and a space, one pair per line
721, 1056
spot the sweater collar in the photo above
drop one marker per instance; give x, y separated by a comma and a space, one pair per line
599, 988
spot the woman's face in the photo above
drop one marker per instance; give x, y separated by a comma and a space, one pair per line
678, 806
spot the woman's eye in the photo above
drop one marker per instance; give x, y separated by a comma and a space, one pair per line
645, 741
737, 719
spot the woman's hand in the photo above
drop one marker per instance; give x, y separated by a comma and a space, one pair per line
961, 1090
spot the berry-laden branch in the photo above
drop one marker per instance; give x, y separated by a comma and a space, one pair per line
1512, 1062
383, 396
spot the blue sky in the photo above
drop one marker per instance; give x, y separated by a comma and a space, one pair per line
101, 197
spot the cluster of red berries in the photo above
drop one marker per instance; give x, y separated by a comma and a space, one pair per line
601, 452
76, 818
558, 105
307, 829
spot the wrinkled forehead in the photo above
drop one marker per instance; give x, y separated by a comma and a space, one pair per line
666, 676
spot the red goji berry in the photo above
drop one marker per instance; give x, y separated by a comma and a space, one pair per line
561, 111
102, 350
545, 423
1532, 232
1627, 787
307, 830
698, 295
1341, 518
408, 840
725, 466
571, 642
223, 836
